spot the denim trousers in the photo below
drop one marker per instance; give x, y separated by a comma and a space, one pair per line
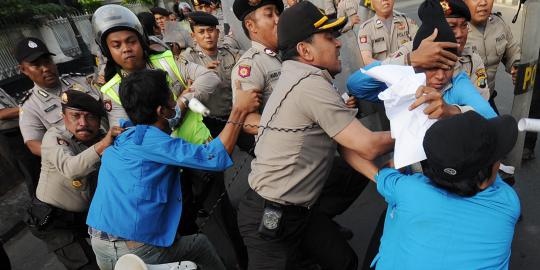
195, 248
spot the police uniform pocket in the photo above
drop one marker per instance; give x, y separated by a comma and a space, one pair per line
150, 193
379, 46
53, 116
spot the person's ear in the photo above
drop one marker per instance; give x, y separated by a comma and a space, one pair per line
160, 111
22, 68
250, 25
304, 51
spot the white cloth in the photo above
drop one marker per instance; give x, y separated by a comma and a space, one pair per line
407, 127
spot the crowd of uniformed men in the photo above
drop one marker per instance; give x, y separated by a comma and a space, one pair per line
128, 160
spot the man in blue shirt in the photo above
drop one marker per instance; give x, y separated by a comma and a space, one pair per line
138, 201
457, 215
445, 95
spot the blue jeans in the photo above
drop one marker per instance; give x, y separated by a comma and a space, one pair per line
195, 248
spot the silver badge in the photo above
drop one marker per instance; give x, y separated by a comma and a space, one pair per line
32, 44
450, 171
271, 219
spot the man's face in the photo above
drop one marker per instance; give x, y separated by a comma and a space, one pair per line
83, 125
160, 20
126, 50
206, 37
480, 10
264, 22
325, 51
42, 71
204, 8
383, 8
438, 78
460, 27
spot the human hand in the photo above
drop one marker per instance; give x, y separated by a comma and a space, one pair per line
513, 72
436, 106
351, 102
246, 100
431, 54
213, 65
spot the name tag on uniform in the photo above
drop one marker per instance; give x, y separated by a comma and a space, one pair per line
50, 108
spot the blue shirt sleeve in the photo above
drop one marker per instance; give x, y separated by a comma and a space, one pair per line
159, 147
364, 87
387, 182
464, 93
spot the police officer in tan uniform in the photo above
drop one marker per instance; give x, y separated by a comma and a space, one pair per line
383, 33
12, 146
278, 216
457, 15
41, 109
70, 160
221, 60
354, 11
260, 66
492, 39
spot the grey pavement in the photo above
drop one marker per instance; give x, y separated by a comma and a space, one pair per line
28, 252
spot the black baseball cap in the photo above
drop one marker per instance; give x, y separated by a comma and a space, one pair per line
202, 18
242, 8
459, 147
303, 20
161, 11
455, 9
80, 101
29, 49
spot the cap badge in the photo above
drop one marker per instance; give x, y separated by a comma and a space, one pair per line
32, 44
76, 183
446, 7
254, 2
450, 171
64, 98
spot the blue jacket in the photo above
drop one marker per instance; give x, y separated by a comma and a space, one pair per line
138, 196
462, 91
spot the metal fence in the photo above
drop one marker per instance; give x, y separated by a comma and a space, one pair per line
62, 32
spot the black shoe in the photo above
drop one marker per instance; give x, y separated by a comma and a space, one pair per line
528, 154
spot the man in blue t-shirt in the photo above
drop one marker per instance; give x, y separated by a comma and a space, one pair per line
457, 215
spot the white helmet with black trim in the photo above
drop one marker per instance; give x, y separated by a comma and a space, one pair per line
112, 17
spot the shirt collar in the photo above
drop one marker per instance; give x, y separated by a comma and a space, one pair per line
259, 47
295, 66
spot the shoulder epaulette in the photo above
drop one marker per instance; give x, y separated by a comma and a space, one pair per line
25, 96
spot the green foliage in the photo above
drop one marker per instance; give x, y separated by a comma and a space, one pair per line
144, 2
25, 10
90, 5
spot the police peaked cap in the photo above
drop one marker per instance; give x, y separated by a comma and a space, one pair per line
80, 101
202, 18
455, 9
302, 20
242, 8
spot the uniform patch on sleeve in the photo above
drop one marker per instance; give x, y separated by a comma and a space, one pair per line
107, 105
244, 71
61, 141
363, 39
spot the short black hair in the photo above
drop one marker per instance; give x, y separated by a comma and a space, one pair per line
463, 187
292, 53
142, 92
148, 22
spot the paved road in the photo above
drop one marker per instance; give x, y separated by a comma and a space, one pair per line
27, 252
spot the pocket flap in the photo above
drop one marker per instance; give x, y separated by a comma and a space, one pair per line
150, 193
